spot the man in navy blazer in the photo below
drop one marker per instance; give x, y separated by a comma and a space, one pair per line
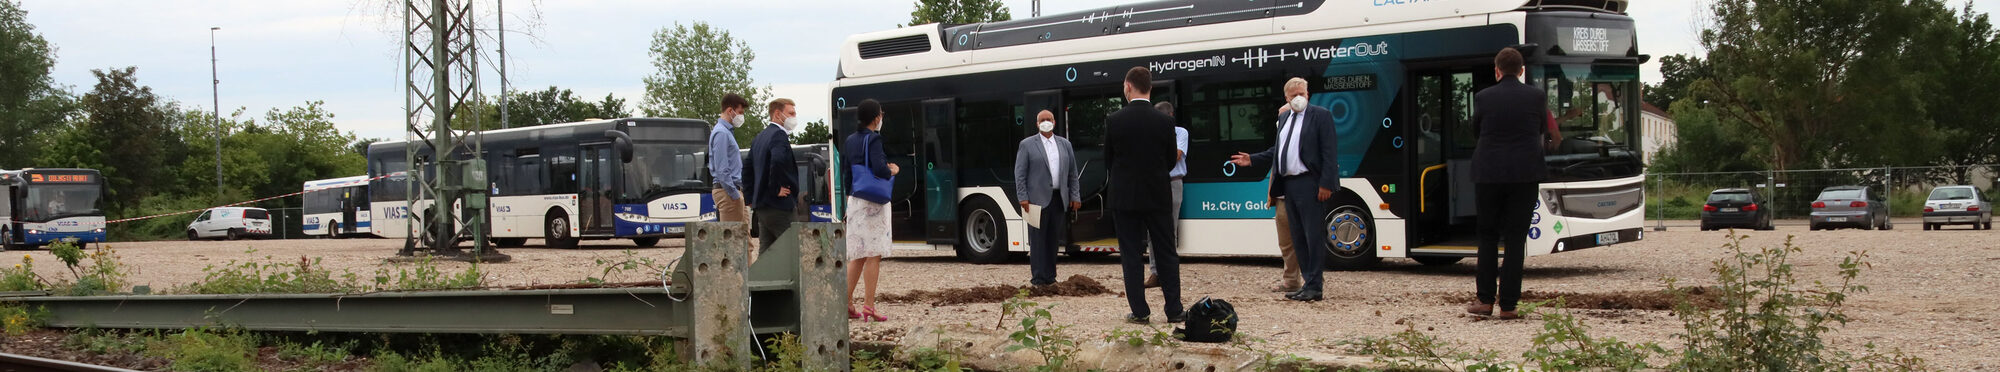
1138, 159
1510, 119
1046, 177
773, 177
1306, 165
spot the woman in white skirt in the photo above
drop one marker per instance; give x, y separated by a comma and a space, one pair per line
867, 221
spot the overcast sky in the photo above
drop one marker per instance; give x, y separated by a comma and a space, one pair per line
280, 54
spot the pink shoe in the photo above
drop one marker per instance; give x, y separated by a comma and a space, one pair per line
851, 314
868, 314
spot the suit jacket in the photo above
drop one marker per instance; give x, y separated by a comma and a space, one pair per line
1031, 172
772, 167
1319, 149
1139, 153
1510, 119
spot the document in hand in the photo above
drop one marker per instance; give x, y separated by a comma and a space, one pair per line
1034, 216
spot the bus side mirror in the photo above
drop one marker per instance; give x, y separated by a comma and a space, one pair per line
621, 142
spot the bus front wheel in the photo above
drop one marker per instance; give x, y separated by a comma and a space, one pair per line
1350, 238
646, 242
981, 238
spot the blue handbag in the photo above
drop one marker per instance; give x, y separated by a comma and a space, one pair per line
866, 185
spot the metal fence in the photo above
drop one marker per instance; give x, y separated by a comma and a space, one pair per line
1676, 199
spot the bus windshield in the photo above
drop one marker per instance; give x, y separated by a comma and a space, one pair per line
659, 168
46, 202
1595, 109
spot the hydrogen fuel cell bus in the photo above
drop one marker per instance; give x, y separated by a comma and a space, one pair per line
634, 178
42, 206
1398, 76
336, 207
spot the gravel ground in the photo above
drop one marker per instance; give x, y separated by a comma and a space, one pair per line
1924, 297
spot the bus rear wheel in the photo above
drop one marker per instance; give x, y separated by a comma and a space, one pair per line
1350, 238
981, 238
557, 234
646, 242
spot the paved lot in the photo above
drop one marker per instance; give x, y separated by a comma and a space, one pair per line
1929, 290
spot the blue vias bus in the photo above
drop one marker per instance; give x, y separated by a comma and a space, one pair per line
1399, 77
42, 206
634, 178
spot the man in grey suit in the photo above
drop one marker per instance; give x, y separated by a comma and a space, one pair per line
1045, 176
1306, 168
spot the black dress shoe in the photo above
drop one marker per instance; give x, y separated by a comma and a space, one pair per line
1304, 295
1135, 319
1178, 318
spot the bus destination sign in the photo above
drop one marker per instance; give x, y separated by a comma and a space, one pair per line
59, 178
1594, 40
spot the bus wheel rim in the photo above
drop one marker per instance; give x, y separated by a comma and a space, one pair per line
979, 230
558, 227
1347, 233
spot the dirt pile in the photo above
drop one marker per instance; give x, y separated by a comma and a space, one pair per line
1075, 286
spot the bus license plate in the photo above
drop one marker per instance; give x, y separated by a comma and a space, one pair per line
676, 229
1836, 219
1607, 238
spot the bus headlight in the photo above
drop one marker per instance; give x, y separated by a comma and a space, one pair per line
99, 230
34, 232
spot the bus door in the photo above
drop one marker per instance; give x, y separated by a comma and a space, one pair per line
940, 173
348, 203
594, 198
1441, 109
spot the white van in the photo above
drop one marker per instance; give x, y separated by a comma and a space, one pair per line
230, 223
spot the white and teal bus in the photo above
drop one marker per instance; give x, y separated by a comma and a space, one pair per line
336, 207
1399, 77
635, 178
42, 206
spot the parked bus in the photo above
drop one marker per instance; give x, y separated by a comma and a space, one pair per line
1399, 77
816, 177
43, 206
336, 207
635, 178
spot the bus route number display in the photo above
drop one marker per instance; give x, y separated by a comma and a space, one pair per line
1345, 83
59, 178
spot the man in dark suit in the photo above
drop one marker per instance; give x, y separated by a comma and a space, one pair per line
773, 177
1139, 157
1045, 180
1509, 119
1306, 167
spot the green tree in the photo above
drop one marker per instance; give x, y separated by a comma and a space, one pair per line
549, 106
126, 134
29, 103
1820, 80
1969, 131
814, 132
1676, 73
958, 12
694, 66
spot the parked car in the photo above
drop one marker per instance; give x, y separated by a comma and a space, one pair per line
1957, 205
1850, 207
1735, 208
230, 223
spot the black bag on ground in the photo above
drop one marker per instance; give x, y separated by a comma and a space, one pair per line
1210, 320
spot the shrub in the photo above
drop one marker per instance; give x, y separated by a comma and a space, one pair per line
1768, 320
22, 277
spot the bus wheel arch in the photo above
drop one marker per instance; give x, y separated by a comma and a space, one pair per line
1351, 233
982, 232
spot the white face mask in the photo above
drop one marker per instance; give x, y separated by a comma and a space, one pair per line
1299, 103
1047, 126
791, 123
736, 120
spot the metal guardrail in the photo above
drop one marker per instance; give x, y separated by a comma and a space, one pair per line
710, 299
17, 362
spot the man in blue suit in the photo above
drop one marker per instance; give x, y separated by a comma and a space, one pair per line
773, 177
1045, 177
1306, 165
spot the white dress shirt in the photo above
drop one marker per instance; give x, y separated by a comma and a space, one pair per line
1049, 148
1290, 136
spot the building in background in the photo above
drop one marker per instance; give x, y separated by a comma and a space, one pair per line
1659, 130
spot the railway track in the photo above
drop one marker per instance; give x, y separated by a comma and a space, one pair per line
23, 363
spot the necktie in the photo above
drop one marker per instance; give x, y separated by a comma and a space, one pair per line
1284, 146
